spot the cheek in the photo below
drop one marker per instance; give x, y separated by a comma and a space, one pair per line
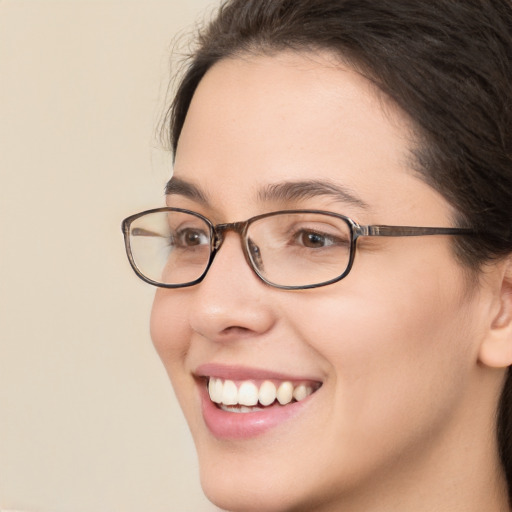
169, 330
171, 338
400, 355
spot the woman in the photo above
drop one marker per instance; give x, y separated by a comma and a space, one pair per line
351, 351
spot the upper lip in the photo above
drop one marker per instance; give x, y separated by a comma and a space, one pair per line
235, 372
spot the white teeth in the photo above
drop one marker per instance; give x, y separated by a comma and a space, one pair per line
248, 394
285, 393
245, 396
229, 393
267, 393
211, 389
215, 390
239, 408
301, 392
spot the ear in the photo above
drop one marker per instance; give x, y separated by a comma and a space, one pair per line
496, 347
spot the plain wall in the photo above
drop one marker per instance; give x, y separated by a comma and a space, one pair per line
88, 419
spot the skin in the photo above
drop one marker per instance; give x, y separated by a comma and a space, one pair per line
405, 348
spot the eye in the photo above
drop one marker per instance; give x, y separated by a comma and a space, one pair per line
190, 237
315, 240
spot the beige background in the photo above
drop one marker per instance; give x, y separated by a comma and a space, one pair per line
88, 421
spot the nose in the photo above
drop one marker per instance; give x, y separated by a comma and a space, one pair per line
231, 302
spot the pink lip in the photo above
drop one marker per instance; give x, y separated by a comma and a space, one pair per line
230, 425
247, 373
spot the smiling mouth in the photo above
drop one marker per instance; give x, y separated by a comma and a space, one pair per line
252, 396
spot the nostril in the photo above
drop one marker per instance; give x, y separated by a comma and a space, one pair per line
235, 330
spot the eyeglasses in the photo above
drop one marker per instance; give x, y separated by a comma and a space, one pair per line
290, 249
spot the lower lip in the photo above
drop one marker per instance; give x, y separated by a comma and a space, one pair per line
232, 425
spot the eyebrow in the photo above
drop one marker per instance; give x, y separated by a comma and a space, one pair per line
299, 190
178, 186
279, 192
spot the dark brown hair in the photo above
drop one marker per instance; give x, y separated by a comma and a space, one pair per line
446, 63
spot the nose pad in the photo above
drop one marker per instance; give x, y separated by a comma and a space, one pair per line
255, 255
252, 253
218, 240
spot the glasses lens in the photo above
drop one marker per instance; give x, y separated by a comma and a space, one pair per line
299, 249
170, 247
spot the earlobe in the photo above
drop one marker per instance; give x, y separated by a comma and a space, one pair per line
496, 348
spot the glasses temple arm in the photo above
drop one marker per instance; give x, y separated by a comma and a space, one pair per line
145, 232
409, 231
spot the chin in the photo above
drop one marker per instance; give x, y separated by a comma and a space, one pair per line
241, 480
268, 494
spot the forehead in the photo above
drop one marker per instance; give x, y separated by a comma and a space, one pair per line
259, 120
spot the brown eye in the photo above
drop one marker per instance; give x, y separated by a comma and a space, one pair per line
313, 240
191, 238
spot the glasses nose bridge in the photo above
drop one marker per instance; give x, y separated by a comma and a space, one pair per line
220, 231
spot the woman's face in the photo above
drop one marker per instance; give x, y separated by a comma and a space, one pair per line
390, 352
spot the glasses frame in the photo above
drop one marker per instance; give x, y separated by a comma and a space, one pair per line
218, 231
